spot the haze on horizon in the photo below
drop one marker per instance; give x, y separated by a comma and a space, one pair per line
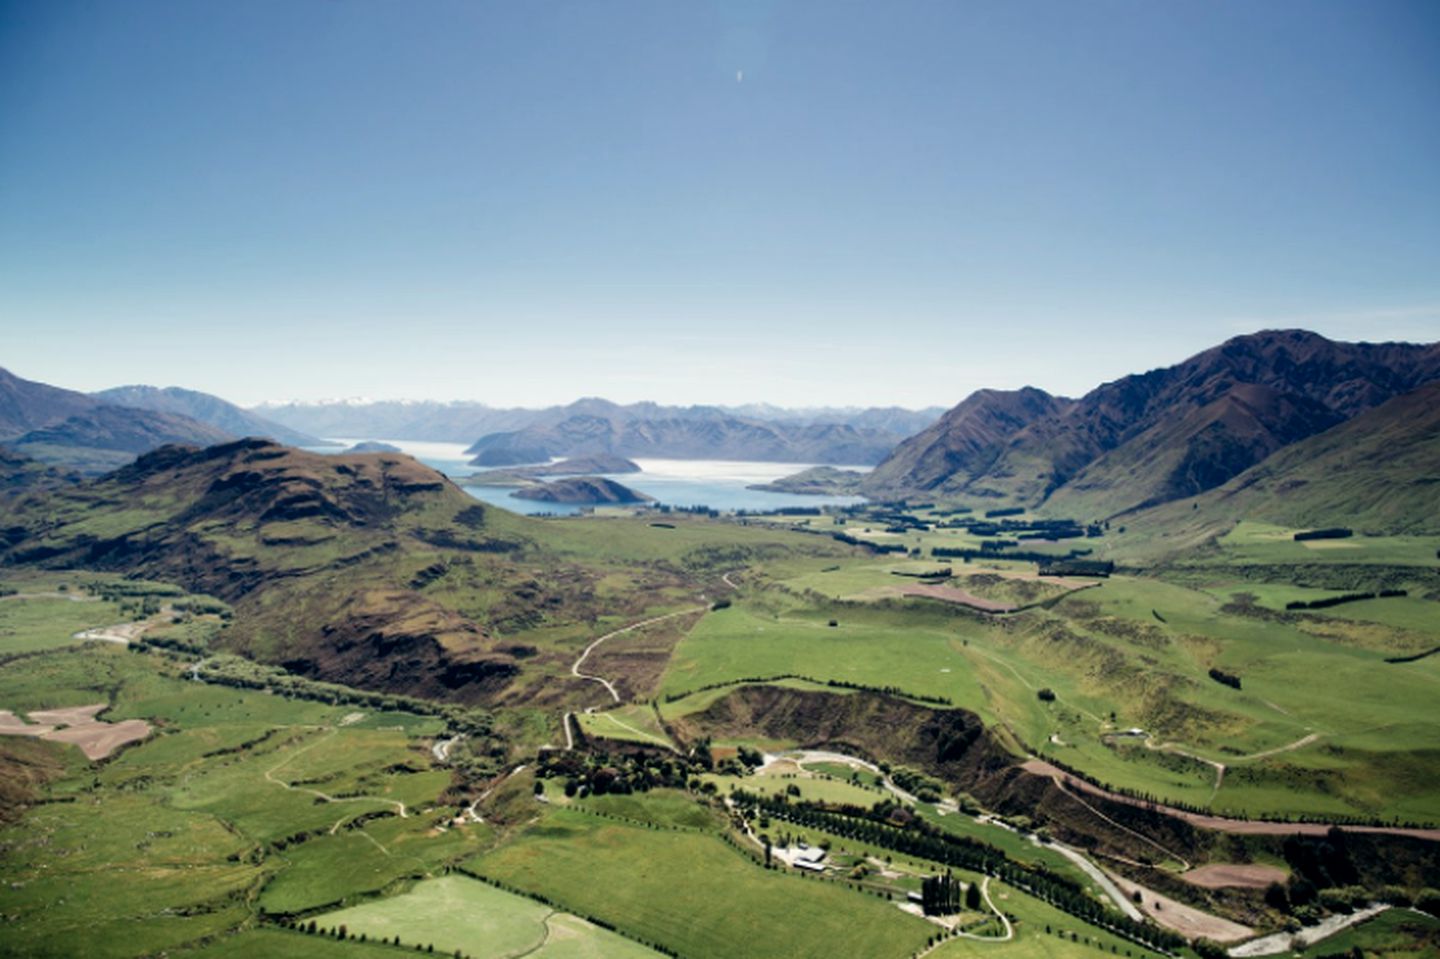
797, 203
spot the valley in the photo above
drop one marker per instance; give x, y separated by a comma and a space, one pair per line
329, 703
758, 479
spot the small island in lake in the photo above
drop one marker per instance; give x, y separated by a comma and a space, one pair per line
816, 481
583, 491
575, 466
373, 446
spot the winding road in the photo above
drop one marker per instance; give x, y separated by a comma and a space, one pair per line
609, 687
1004, 921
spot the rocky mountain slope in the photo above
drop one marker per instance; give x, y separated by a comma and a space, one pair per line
107, 437
77, 431
1157, 436
320, 553
1379, 471
370, 569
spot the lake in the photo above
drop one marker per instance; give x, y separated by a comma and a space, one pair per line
718, 484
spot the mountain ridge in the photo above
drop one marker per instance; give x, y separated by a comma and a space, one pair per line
1378, 471
74, 430
1273, 388
468, 421
205, 408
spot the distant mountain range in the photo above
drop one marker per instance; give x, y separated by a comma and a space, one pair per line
101, 431
1254, 422
78, 431
507, 437
644, 430
1154, 437
207, 409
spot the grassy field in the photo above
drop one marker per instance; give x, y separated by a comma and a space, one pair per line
662, 807
1134, 653
865, 646
1265, 544
330, 868
785, 776
30, 623
1042, 932
185, 835
627, 723
459, 913
690, 892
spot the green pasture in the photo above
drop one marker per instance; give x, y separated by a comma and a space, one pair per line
1032, 941
459, 913
691, 892
168, 842
627, 723
116, 874
1134, 652
30, 624
865, 646
661, 807
333, 867
1266, 544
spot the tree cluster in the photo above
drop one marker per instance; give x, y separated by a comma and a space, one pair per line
940, 895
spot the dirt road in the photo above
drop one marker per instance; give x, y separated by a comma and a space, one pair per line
609, 688
1280, 941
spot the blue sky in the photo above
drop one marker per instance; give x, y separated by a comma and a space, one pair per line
800, 203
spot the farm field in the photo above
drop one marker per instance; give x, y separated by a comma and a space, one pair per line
218, 811
38, 616
685, 889
786, 776
458, 914
627, 723
862, 647
1131, 654
1262, 543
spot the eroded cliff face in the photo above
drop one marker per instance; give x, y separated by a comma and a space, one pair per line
953, 745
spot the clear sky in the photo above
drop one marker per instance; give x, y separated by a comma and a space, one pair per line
794, 202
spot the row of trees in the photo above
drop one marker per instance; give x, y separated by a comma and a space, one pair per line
1329, 601
924, 841
831, 683
238, 672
